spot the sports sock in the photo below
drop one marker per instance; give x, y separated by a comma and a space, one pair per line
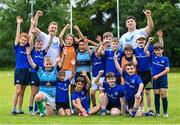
165, 104
35, 107
30, 108
41, 107
19, 109
157, 103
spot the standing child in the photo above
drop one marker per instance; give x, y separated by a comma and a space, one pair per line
21, 74
113, 98
47, 86
160, 68
80, 97
133, 86
62, 90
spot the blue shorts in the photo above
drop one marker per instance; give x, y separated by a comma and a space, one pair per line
33, 79
130, 103
21, 76
160, 83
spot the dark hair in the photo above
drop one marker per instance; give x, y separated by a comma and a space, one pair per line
130, 17
130, 64
158, 46
80, 79
110, 75
69, 35
128, 47
61, 72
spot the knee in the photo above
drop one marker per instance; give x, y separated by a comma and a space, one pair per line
115, 111
147, 92
39, 97
102, 95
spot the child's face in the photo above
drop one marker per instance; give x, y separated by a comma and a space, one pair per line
82, 47
38, 45
131, 70
69, 41
114, 46
23, 41
158, 52
48, 64
107, 40
61, 76
128, 53
131, 24
53, 29
141, 42
111, 81
79, 86
96, 53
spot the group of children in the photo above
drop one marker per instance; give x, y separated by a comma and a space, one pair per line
51, 65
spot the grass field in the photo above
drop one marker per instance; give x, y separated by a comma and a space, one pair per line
7, 89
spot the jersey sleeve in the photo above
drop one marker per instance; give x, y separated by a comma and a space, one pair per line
44, 52
58, 68
74, 96
68, 81
121, 92
138, 80
167, 64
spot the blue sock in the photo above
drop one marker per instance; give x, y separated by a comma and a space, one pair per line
165, 104
35, 107
157, 103
30, 108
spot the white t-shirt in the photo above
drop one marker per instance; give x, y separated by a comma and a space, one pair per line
130, 38
54, 50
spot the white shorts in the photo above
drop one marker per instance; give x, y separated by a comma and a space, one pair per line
68, 74
94, 86
48, 99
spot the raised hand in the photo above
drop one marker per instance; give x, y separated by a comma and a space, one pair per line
33, 20
115, 55
76, 27
19, 19
68, 26
83, 73
28, 50
159, 33
151, 39
39, 13
147, 12
101, 72
98, 38
73, 62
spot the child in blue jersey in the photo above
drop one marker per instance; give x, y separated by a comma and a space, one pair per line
160, 68
98, 63
37, 55
21, 74
80, 97
144, 71
62, 89
133, 86
113, 97
47, 86
109, 56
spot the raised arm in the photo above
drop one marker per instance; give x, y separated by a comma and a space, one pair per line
101, 50
92, 42
118, 67
31, 39
96, 80
150, 23
38, 14
160, 36
88, 84
18, 30
50, 42
78, 31
31, 62
146, 51
134, 60
62, 34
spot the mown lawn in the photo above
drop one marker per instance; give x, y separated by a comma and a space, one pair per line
7, 89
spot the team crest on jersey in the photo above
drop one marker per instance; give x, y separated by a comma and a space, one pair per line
132, 81
48, 84
17, 81
116, 93
162, 61
82, 92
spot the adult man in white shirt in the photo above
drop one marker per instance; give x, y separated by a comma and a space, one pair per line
130, 36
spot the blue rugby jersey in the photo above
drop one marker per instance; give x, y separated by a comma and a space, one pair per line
83, 97
109, 61
142, 59
38, 58
98, 63
159, 64
113, 93
62, 88
83, 61
131, 85
21, 56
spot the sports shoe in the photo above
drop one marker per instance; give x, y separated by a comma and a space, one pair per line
158, 114
103, 112
166, 115
150, 113
31, 113
13, 112
20, 112
42, 115
36, 112
132, 114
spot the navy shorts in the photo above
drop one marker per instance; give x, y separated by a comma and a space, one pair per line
33, 79
130, 103
112, 105
21, 76
160, 83
146, 78
62, 105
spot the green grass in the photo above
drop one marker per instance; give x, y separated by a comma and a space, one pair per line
7, 90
